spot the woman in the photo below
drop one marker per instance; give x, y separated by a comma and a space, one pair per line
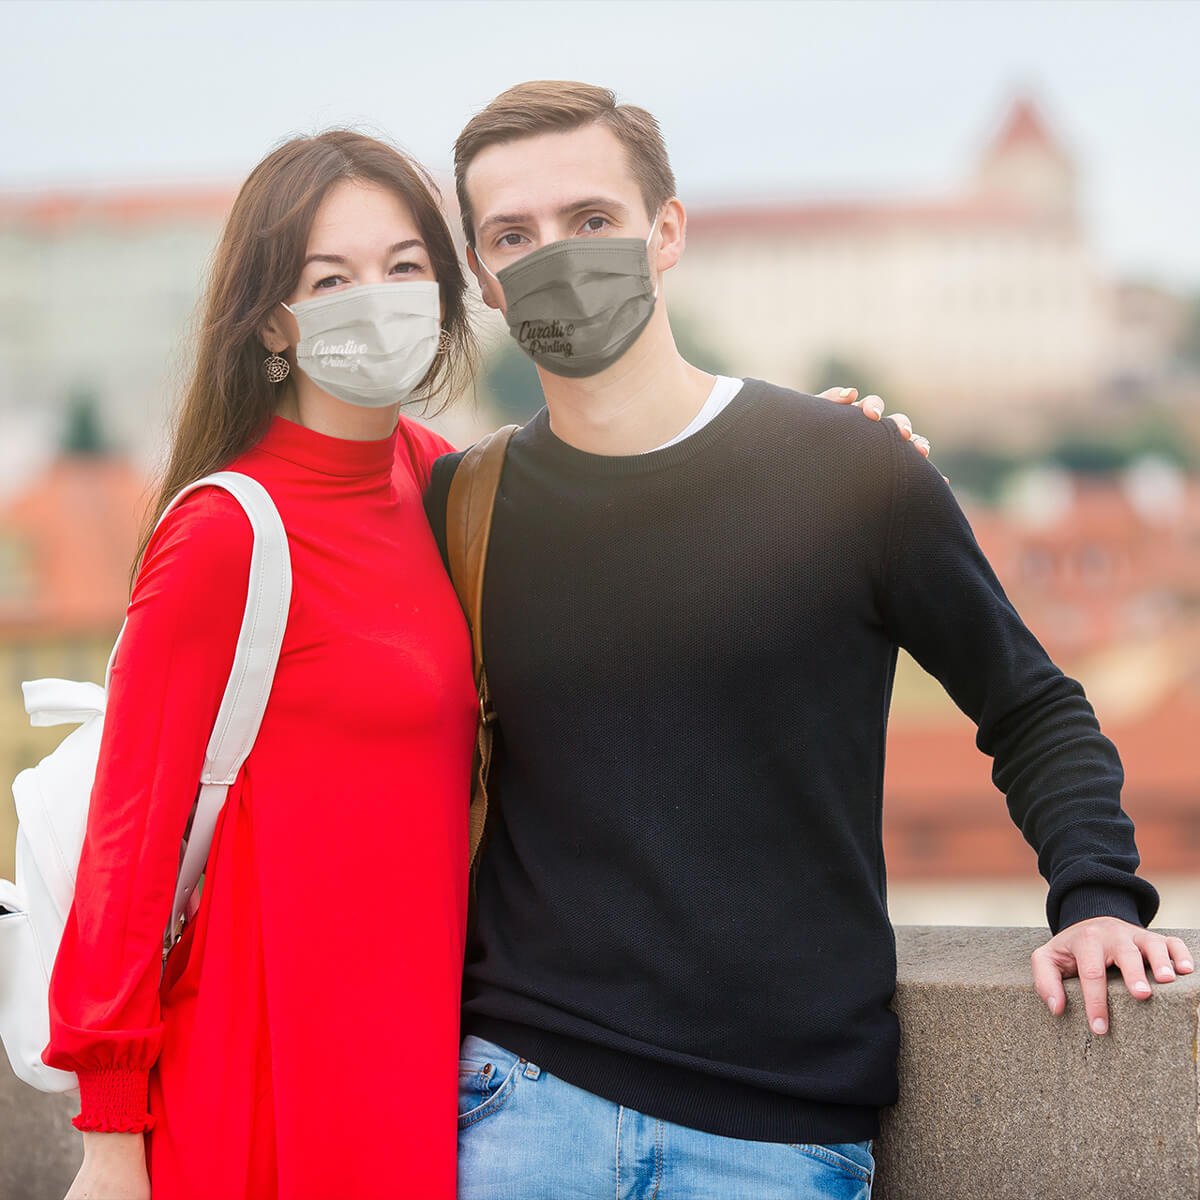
275, 1056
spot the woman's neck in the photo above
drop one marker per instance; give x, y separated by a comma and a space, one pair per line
307, 405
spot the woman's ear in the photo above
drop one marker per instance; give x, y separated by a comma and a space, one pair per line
279, 331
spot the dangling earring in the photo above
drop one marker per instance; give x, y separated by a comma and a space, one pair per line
277, 368
445, 341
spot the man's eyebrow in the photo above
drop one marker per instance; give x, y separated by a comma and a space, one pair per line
565, 210
398, 248
608, 202
505, 219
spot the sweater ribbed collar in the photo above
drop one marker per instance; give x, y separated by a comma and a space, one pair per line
540, 438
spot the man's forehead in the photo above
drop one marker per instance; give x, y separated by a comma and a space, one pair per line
548, 171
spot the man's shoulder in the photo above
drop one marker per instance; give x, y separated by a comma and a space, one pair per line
443, 470
781, 416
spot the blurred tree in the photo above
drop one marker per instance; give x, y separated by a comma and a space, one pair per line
1190, 349
82, 433
979, 471
697, 347
512, 382
836, 371
1156, 434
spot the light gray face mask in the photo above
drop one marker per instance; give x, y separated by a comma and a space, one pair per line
576, 306
369, 345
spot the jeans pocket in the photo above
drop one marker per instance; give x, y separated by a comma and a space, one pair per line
487, 1077
854, 1158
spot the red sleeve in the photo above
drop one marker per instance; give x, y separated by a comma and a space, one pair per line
419, 446
167, 684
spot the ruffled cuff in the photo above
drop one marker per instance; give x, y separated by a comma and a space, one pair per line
114, 1101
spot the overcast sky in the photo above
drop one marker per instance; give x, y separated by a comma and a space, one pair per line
757, 100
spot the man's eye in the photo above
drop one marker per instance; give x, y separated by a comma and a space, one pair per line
594, 224
512, 239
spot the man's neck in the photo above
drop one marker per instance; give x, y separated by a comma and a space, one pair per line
643, 400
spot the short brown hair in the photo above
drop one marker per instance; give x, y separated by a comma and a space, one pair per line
552, 105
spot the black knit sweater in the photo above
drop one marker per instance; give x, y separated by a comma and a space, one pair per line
681, 902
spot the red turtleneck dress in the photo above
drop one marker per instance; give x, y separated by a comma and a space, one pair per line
303, 1041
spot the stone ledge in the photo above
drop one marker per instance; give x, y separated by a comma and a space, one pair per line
40, 1151
1001, 1101
998, 1099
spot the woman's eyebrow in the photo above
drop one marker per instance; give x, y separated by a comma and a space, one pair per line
340, 260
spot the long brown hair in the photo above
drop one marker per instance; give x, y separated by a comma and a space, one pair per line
228, 402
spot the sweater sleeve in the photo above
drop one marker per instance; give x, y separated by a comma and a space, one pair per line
1062, 778
167, 684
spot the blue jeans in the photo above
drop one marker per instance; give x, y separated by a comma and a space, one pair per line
524, 1134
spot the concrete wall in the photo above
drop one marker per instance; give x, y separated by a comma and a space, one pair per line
998, 1100
1001, 1101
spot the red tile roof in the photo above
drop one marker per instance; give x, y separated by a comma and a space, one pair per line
1024, 126
67, 543
57, 209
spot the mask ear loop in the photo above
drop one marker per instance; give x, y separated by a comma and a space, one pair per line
479, 260
648, 239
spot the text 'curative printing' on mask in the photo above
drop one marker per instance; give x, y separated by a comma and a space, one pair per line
369, 345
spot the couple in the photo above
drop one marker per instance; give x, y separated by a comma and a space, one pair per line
677, 983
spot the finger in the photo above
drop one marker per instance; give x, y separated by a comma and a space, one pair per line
873, 406
921, 443
1181, 955
839, 395
1093, 979
1158, 954
1047, 981
1133, 971
902, 423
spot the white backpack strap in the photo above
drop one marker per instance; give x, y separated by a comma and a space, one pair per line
240, 715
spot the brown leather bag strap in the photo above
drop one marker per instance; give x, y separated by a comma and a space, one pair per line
469, 508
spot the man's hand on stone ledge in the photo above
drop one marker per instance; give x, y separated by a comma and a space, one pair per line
1089, 948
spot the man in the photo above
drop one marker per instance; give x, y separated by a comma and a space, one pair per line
680, 976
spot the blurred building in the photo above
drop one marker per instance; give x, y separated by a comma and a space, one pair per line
1106, 572
97, 296
67, 541
952, 305
955, 305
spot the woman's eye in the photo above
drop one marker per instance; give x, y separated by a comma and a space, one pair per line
406, 268
329, 281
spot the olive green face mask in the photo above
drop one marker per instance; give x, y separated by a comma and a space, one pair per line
576, 306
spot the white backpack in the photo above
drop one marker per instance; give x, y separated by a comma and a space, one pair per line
52, 797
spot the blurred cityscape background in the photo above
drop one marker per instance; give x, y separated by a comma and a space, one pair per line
1056, 369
